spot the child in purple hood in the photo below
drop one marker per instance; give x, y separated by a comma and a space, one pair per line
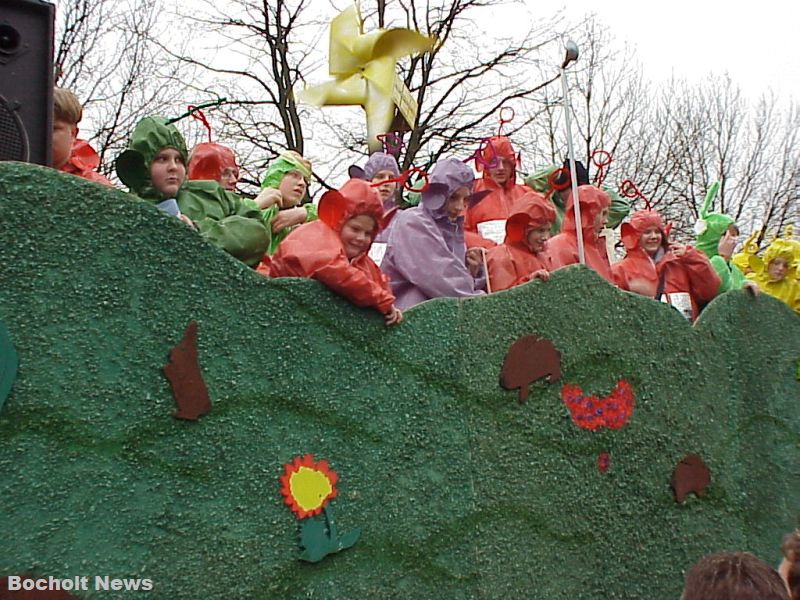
426, 256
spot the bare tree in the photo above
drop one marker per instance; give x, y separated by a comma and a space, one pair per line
105, 56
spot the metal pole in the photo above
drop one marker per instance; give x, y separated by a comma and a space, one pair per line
572, 54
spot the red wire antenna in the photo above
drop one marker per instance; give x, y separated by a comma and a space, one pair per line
602, 160
628, 189
506, 116
392, 143
553, 181
484, 146
403, 179
198, 114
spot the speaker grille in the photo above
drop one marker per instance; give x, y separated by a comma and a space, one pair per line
13, 140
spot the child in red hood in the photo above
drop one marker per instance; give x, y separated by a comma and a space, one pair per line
523, 256
563, 248
655, 267
214, 162
333, 249
495, 208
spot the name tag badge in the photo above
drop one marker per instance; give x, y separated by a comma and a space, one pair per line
681, 301
377, 251
493, 230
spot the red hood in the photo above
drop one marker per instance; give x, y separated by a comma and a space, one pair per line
593, 200
502, 149
531, 210
356, 197
639, 221
208, 160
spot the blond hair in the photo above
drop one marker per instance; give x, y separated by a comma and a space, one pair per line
66, 106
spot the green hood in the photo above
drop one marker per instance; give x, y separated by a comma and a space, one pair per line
279, 167
710, 227
149, 137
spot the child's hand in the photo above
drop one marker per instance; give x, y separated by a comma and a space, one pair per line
542, 274
267, 197
474, 260
679, 249
750, 287
726, 245
187, 220
393, 317
288, 218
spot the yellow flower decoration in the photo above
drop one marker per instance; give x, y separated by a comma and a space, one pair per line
363, 67
306, 486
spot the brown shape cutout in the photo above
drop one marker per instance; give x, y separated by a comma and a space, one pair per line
183, 373
527, 360
6, 594
690, 475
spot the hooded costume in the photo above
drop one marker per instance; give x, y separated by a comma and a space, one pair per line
710, 228
221, 217
208, 160
500, 201
287, 161
787, 290
690, 273
377, 162
425, 257
513, 262
83, 162
540, 182
315, 249
563, 248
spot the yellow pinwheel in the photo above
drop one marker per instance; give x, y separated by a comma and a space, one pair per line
363, 67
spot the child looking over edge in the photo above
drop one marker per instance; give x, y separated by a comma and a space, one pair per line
284, 185
333, 250
70, 154
154, 168
523, 256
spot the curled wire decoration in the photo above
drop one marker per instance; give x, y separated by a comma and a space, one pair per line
553, 180
198, 114
485, 145
506, 116
404, 180
392, 143
628, 189
600, 159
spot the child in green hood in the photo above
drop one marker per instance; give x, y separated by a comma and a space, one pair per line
282, 189
154, 168
716, 238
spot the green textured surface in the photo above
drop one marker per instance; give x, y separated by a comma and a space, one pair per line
460, 492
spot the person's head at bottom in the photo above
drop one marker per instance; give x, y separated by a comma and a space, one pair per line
733, 576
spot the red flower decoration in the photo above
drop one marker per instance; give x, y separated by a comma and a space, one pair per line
306, 486
603, 460
591, 412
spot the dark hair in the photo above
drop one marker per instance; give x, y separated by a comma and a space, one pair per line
733, 576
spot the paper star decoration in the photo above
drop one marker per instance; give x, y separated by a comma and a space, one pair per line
363, 66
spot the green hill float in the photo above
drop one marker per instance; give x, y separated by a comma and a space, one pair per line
458, 489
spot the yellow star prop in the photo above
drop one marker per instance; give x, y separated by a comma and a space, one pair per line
363, 67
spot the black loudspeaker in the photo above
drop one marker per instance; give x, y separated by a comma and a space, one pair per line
26, 80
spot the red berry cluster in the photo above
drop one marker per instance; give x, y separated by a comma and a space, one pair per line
591, 412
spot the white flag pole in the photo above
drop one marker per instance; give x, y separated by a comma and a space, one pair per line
571, 55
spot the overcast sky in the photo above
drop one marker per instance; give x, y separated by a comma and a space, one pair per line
756, 42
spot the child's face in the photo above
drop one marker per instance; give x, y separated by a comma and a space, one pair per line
537, 237
650, 240
502, 172
292, 187
229, 178
777, 269
356, 235
386, 189
64, 135
455, 203
167, 171
600, 220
